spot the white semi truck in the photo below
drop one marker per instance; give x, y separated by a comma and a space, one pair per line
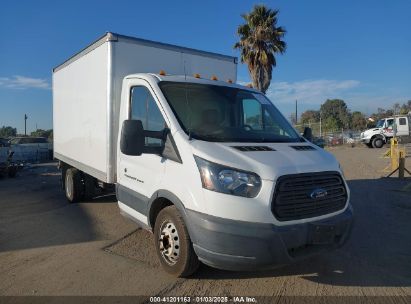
212, 168
385, 129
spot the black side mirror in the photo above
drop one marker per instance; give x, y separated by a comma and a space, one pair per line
133, 137
308, 134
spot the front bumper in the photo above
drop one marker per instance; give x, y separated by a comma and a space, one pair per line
238, 245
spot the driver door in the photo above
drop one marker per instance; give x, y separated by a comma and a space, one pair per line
140, 176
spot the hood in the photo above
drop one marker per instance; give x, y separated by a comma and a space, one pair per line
372, 131
283, 159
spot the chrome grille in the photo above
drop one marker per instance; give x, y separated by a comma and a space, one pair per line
293, 195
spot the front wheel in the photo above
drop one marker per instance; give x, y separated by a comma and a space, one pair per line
173, 244
377, 142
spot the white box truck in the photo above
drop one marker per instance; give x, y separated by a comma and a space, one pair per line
212, 168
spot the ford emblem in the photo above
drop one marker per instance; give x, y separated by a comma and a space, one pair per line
318, 193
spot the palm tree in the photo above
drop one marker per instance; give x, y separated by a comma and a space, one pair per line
260, 40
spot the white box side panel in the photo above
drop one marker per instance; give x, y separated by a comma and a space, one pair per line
80, 112
207, 67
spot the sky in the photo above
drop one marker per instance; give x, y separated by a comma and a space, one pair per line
358, 51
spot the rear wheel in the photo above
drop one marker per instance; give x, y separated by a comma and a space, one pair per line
173, 244
73, 186
377, 142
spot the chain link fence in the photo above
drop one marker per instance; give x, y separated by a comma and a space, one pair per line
324, 137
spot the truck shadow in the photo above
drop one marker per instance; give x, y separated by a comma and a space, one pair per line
34, 212
378, 253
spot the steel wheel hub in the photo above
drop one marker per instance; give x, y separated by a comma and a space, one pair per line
169, 243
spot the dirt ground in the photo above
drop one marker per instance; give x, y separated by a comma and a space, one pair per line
48, 247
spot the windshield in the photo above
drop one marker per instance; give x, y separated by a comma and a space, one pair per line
226, 114
380, 123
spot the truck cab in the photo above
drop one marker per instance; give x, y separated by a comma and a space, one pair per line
250, 190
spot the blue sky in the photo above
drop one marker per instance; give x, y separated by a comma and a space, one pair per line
359, 51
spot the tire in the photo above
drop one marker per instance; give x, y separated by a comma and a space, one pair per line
377, 142
173, 244
73, 186
89, 187
63, 177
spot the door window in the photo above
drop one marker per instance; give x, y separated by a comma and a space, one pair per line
252, 111
403, 121
258, 118
144, 108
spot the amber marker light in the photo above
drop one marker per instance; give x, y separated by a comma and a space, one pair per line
162, 73
214, 77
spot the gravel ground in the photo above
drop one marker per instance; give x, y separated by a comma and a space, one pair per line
48, 247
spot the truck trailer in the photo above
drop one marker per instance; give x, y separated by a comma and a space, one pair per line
210, 167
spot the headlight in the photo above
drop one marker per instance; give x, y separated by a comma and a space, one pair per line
228, 180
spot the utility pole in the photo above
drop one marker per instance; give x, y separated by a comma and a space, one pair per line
296, 116
25, 124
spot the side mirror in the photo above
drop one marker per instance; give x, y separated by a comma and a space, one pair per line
133, 138
308, 134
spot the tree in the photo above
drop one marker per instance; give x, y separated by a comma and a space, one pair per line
8, 131
358, 121
338, 110
42, 133
382, 113
260, 40
396, 108
310, 116
331, 124
404, 109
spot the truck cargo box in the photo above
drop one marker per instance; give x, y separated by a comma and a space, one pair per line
87, 91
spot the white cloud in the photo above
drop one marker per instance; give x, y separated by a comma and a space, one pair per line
22, 82
309, 91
